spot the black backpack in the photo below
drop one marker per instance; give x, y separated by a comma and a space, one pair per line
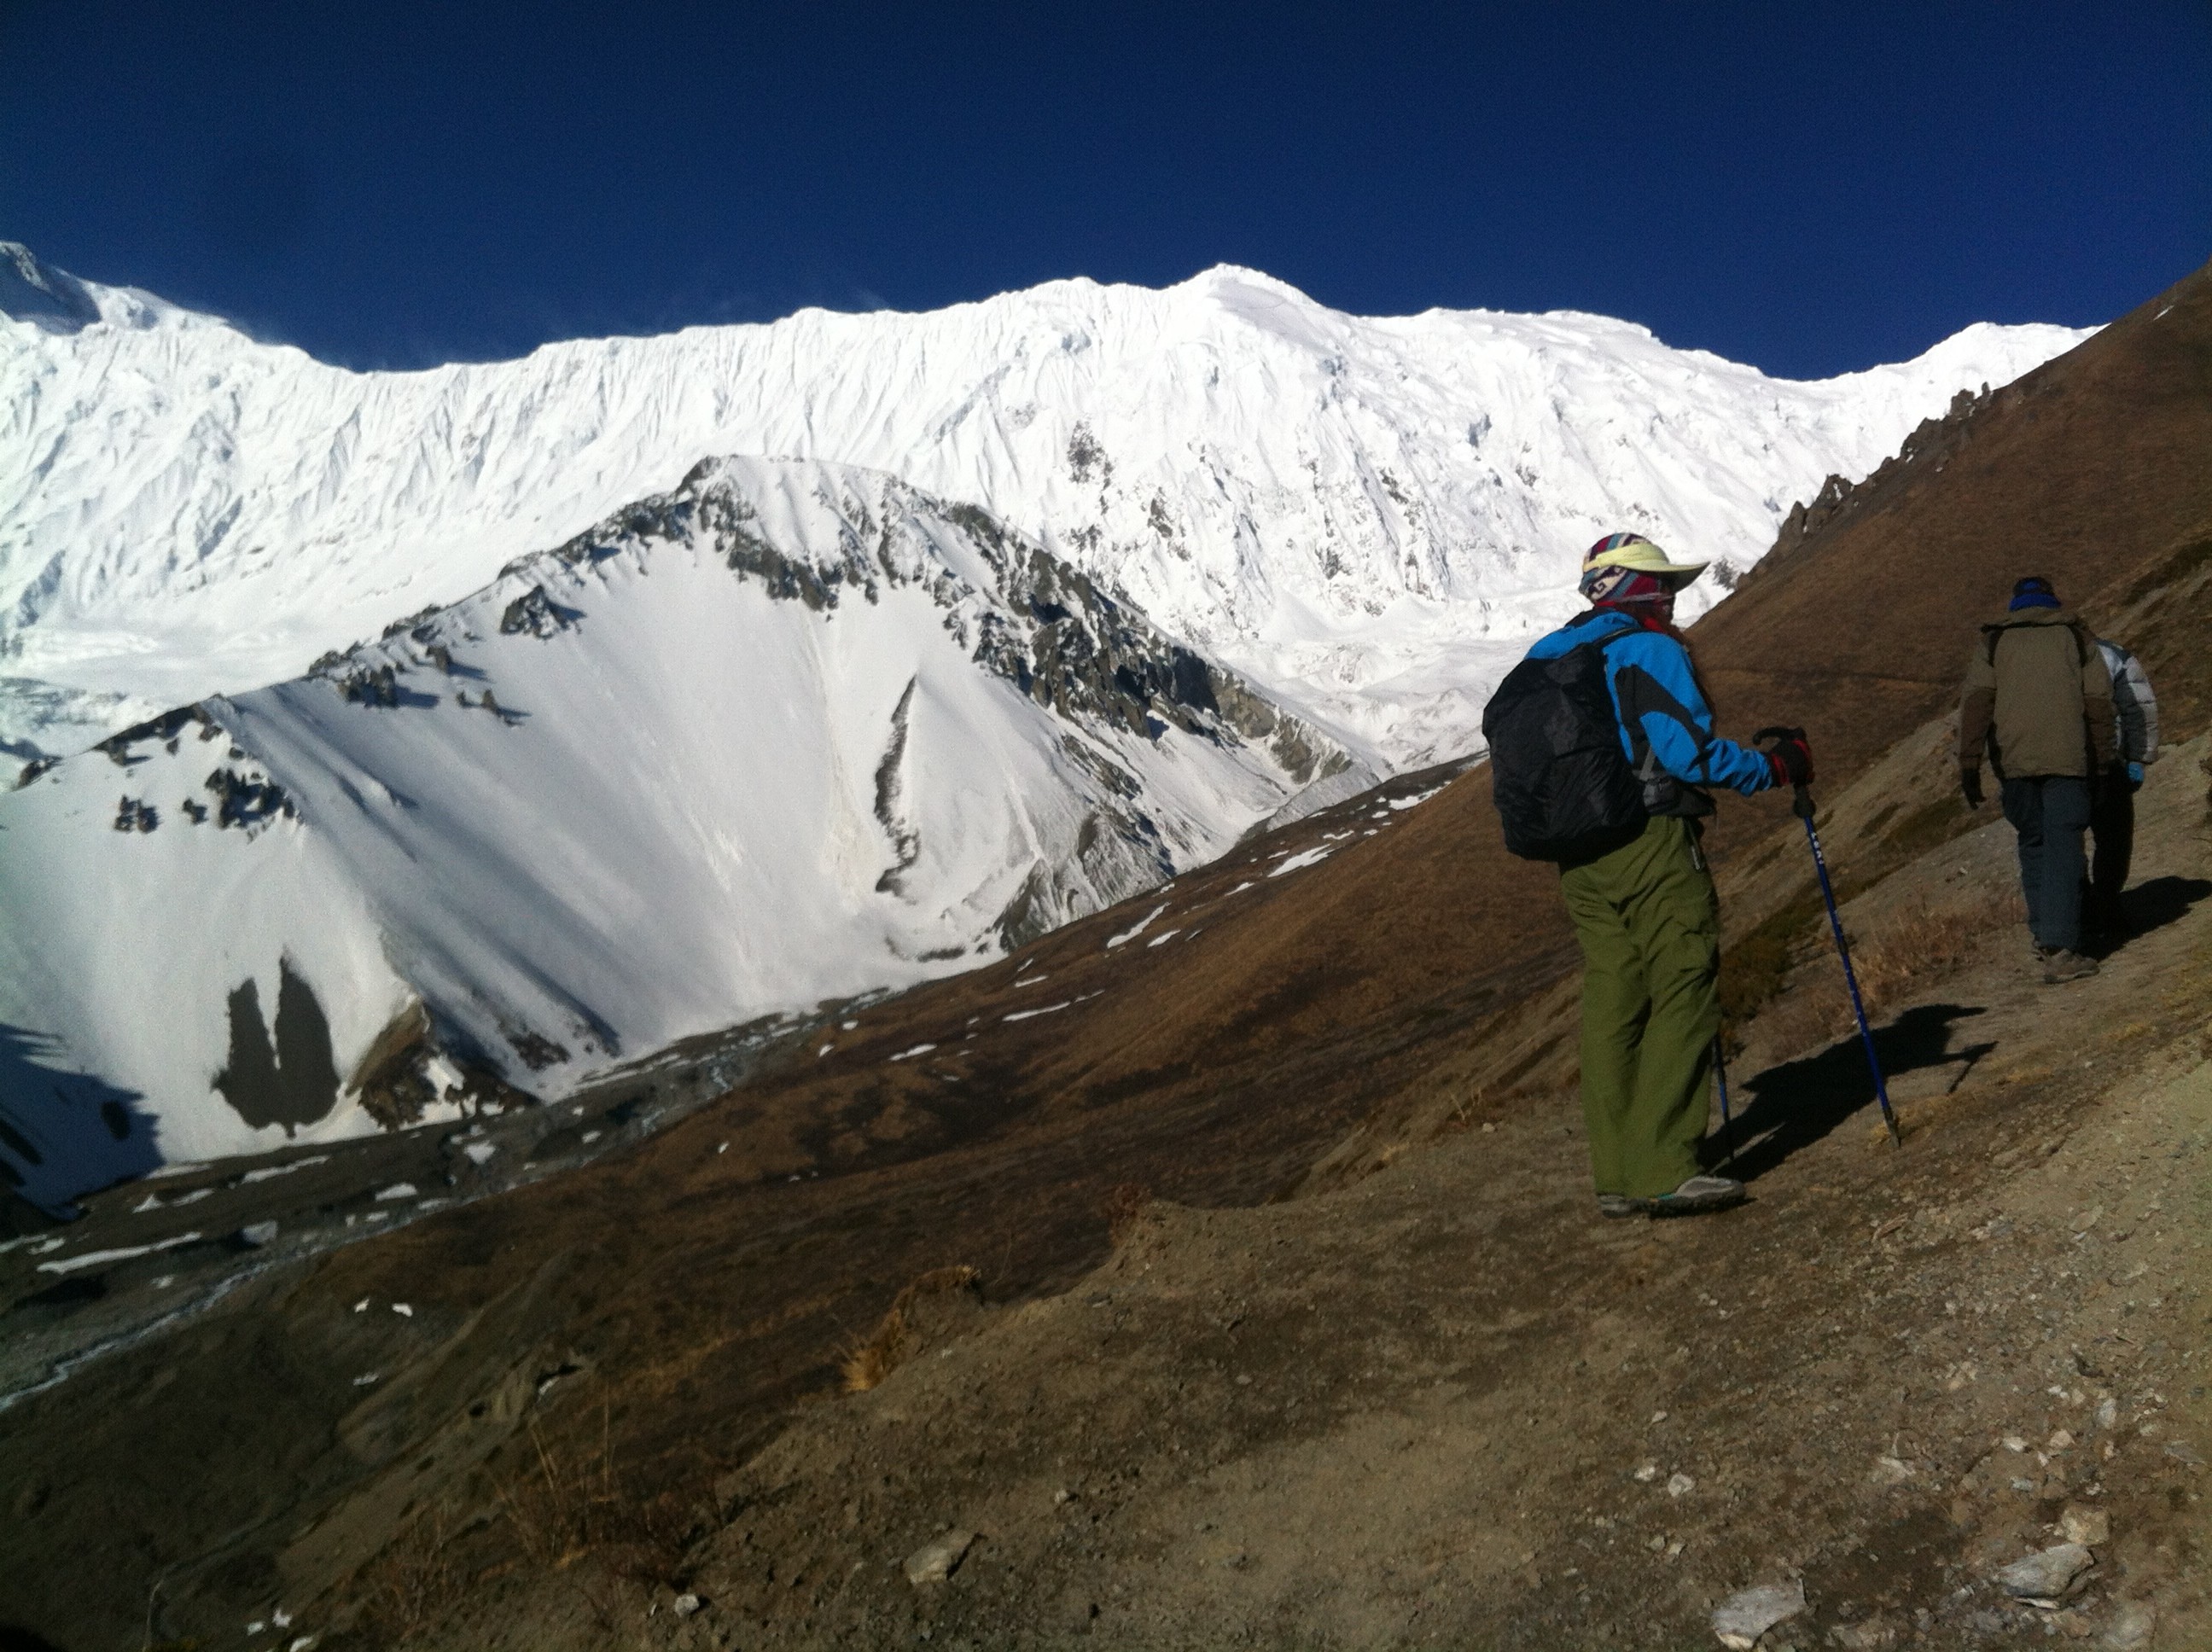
1564, 789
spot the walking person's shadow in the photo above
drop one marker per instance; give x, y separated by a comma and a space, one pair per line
2152, 905
1795, 1103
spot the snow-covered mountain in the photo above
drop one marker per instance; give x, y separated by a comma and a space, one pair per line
1363, 516
789, 732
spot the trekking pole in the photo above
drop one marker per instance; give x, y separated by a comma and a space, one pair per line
1801, 805
1720, 1072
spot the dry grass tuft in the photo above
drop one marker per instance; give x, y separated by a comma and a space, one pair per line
565, 1509
867, 1365
557, 1511
410, 1587
1907, 955
557, 1507
1925, 945
1122, 1207
898, 1338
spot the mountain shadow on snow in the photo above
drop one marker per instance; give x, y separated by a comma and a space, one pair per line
296, 1081
88, 1106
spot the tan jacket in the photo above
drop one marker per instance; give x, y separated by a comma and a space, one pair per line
2039, 695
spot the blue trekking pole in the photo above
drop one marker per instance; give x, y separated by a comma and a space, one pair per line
1801, 805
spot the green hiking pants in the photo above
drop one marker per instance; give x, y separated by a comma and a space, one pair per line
1650, 929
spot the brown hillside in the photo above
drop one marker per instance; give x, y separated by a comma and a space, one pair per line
567, 1422
2091, 471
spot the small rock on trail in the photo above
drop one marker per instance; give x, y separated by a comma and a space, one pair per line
938, 1558
1890, 1471
1741, 1618
2130, 1627
2047, 1575
2087, 1527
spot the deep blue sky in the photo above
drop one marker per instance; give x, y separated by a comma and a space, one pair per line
1810, 187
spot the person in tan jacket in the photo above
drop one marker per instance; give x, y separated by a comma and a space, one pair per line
2039, 700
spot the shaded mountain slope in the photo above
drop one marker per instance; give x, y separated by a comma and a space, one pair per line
1449, 1360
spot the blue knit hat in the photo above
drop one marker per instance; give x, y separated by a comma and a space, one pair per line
2033, 591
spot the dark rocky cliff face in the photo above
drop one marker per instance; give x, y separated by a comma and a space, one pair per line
290, 1080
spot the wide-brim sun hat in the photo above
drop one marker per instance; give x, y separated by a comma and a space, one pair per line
1637, 554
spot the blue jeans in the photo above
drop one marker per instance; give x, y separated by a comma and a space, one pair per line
2050, 812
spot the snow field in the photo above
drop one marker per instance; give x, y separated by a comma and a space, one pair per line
1362, 515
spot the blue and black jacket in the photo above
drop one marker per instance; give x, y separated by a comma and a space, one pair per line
1666, 727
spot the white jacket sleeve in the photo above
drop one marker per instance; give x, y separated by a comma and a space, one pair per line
2143, 743
2135, 708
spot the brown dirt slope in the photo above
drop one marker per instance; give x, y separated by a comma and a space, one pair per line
570, 1420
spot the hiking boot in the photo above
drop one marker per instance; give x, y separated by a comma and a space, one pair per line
1621, 1204
1699, 1193
2059, 964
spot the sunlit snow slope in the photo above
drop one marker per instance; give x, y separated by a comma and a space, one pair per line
789, 732
1362, 515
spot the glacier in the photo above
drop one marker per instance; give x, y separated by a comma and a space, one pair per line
1362, 516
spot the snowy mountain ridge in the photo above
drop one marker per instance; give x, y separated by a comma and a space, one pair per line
1364, 517
788, 733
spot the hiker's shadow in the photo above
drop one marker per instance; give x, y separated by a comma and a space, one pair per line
2153, 905
1795, 1103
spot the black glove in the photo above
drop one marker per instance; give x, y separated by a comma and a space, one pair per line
1970, 782
1794, 758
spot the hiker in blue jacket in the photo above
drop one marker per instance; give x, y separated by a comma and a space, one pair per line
1645, 912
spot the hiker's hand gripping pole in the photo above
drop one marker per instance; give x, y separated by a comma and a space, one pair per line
1801, 804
